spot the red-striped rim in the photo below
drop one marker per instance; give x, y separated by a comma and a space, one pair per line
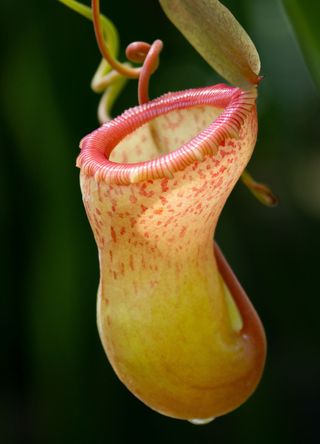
97, 146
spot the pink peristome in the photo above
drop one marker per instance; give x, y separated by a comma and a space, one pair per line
97, 146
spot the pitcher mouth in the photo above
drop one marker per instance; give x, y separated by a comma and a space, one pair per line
96, 148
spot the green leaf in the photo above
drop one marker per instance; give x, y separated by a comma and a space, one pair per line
215, 33
305, 19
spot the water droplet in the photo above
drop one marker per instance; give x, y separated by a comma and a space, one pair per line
201, 421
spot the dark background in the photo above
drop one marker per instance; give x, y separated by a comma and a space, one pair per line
56, 383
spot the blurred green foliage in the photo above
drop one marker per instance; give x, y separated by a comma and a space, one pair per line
57, 385
305, 19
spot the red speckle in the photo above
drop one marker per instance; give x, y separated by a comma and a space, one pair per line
114, 205
145, 193
169, 221
223, 153
163, 200
174, 121
113, 234
133, 199
201, 174
143, 208
122, 231
146, 234
158, 211
183, 231
195, 166
164, 185
98, 211
97, 222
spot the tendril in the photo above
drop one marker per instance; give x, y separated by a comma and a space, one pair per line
113, 83
149, 66
126, 71
138, 52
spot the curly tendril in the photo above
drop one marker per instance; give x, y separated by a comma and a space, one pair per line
139, 52
148, 68
132, 73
